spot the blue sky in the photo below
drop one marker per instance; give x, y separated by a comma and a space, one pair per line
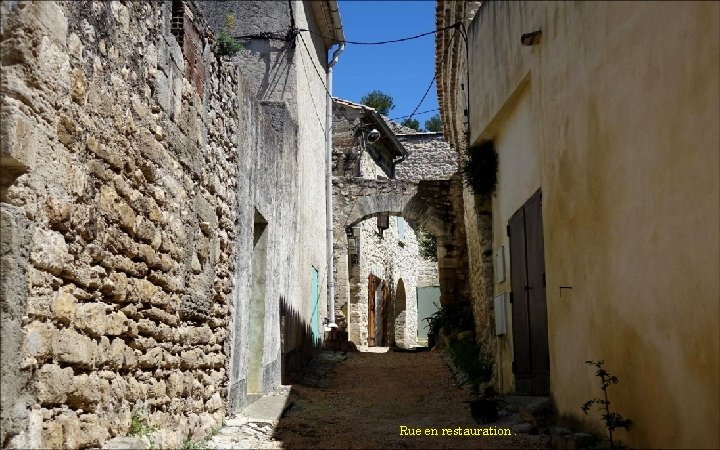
402, 70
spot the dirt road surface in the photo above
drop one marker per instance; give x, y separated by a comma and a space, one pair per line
366, 399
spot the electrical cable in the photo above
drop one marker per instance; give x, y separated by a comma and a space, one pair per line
315, 66
380, 42
292, 16
317, 115
417, 114
435, 75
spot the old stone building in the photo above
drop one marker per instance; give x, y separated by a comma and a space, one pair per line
160, 207
600, 240
378, 268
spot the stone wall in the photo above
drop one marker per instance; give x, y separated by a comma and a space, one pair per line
430, 157
588, 116
395, 261
427, 193
134, 164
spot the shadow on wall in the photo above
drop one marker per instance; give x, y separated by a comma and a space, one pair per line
297, 345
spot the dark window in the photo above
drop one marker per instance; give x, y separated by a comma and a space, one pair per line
383, 222
177, 21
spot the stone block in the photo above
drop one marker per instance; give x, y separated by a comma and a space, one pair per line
175, 385
125, 443
148, 254
64, 307
92, 318
197, 335
107, 153
70, 347
88, 391
85, 275
143, 291
165, 333
54, 384
116, 208
116, 324
38, 339
50, 252
116, 286
52, 435
162, 316
151, 359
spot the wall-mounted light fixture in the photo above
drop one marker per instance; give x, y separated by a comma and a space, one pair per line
532, 38
373, 135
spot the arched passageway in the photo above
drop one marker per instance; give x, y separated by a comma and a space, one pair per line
427, 204
399, 313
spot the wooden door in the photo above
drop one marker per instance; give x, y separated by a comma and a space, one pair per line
372, 287
529, 306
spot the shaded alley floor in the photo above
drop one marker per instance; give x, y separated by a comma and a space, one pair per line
362, 401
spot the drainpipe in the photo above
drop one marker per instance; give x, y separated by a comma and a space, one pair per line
329, 191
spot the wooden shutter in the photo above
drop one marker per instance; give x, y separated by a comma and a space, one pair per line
520, 314
537, 302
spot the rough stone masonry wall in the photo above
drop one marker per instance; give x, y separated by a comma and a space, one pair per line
430, 157
118, 205
385, 257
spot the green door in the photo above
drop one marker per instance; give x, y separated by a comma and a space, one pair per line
314, 301
428, 299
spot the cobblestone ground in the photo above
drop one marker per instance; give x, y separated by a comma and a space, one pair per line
363, 400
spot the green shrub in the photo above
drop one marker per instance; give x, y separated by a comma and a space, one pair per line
476, 364
226, 44
479, 168
451, 318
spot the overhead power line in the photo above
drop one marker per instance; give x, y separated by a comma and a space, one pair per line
417, 114
435, 75
317, 71
380, 42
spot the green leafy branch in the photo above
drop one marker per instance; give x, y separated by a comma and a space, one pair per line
612, 420
226, 44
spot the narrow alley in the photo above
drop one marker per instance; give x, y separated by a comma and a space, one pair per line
342, 224
377, 398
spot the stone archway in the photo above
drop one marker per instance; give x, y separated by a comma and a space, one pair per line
429, 204
399, 314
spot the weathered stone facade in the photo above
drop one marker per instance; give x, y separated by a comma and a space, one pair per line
421, 193
586, 105
430, 157
139, 170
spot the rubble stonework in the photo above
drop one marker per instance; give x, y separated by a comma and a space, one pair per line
129, 156
430, 157
425, 193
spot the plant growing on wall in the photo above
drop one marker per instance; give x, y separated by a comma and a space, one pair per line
612, 420
427, 245
479, 168
227, 45
451, 318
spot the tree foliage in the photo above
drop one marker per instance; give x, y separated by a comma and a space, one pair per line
434, 124
377, 99
427, 245
411, 123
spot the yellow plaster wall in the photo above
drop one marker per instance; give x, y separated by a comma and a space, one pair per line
615, 115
